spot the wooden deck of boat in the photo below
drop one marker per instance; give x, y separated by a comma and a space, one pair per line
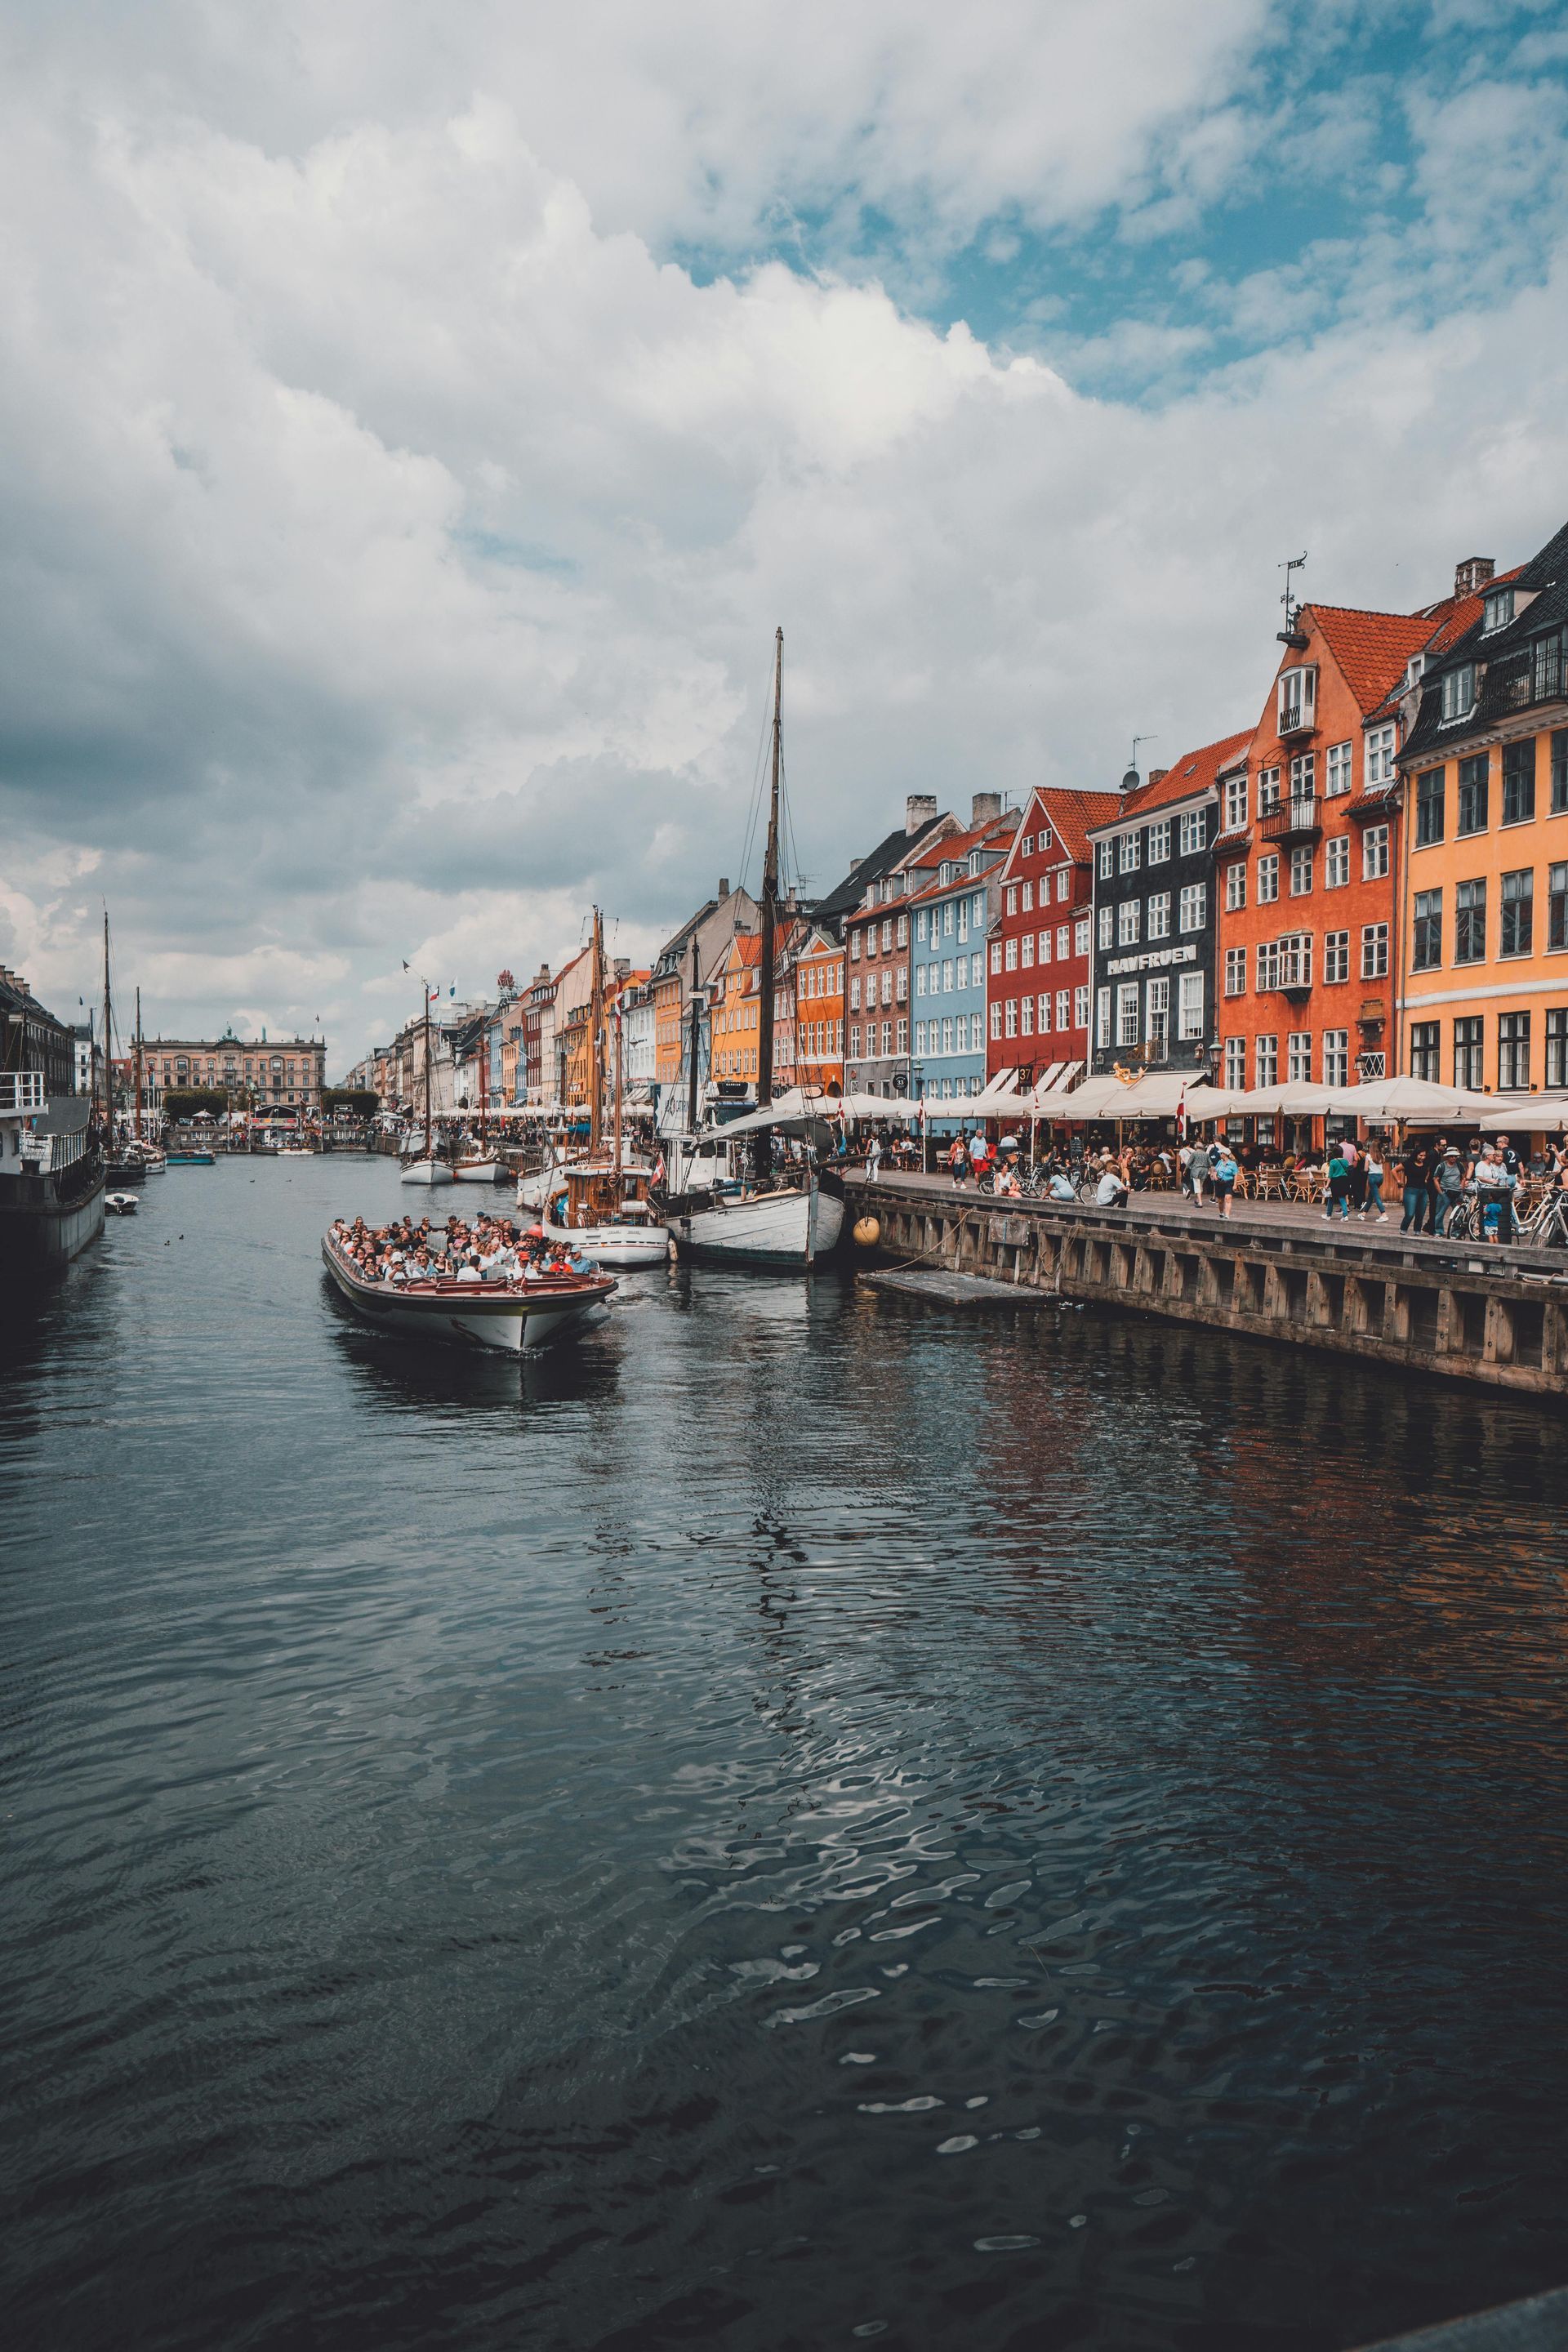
961, 1290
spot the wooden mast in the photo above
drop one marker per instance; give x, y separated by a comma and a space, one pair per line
429, 1153
136, 1067
769, 908
696, 1033
596, 1042
484, 1081
107, 1050
617, 1098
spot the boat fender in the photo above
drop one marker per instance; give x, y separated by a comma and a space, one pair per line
868, 1232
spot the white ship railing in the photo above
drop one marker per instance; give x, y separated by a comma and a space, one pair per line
21, 1091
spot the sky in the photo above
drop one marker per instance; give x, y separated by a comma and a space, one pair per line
414, 421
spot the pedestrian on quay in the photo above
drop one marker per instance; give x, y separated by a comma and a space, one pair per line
958, 1160
874, 1156
1339, 1191
1494, 1190
979, 1154
1354, 1158
1415, 1168
1447, 1188
1372, 1185
1222, 1176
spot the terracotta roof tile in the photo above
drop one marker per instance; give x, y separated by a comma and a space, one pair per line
1195, 771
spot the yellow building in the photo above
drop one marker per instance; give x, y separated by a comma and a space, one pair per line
1484, 946
737, 1003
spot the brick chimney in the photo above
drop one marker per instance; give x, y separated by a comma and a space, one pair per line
920, 808
723, 886
1156, 774
984, 808
1472, 575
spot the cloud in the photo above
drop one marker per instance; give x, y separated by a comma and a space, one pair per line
392, 532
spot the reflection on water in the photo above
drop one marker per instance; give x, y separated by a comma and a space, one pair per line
800, 1816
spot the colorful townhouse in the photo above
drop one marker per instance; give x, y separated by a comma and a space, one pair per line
877, 951
816, 1007
954, 910
1484, 973
735, 997
1152, 969
1039, 979
1307, 854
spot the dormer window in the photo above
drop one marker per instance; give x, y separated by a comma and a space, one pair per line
974, 861
1413, 669
1459, 692
1026, 847
944, 871
1498, 610
1297, 701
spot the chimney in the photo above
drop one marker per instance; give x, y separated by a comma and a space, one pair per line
723, 886
983, 807
1156, 774
1472, 575
920, 808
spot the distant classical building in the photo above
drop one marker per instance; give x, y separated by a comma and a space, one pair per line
277, 1072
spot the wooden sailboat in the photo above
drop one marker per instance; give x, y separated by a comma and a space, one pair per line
480, 1166
600, 1203
427, 1168
722, 1199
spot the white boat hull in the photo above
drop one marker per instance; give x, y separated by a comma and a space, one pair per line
782, 1229
426, 1172
627, 1247
477, 1171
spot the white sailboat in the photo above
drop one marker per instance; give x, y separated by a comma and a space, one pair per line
715, 1205
602, 1203
427, 1168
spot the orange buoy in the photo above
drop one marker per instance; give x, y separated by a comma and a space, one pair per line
867, 1233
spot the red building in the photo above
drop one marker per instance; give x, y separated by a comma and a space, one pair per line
1307, 854
1037, 979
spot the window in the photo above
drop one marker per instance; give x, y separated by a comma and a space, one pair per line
1470, 923
887, 985
996, 955
1473, 795
1159, 843
963, 920
855, 1040
1127, 853
1427, 934
1235, 804
1026, 1015
1235, 1064
1235, 887
1192, 1005
1297, 699
1027, 950
1268, 878
1107, 927
1107, 859
855, 990
1046, 945
1547, 665
1080, 1008
1045, 1015
1266, 1061
1469, 1053
1519, 782
1026, 847
1235, 971
901, 1043
995, 1026
1560, 771
1012, 908
947, 1034
1429, 807
1160, 915
901, 930
1377, 764
1498, 613
1081, 936
1304, 776
1157, 1016
1267, 789
1375, 852
1374, 950
1194, 906
1027, 900
1127, 917
1459, 693
1102, 1017
1193, 831
919, 932
1336, 955
887, 934
1301, 862
1062, 940
1299, 1066
1557, 1046
1425, 1050
1010, 1026
1064, 885
1063, 1008
920, 1032
902, 985
1337, 862
1127, 1013
1010, 955
1516, 935
1336, 1057
1338, 779
947, 918
1557, 905
1513, 1051
947, 977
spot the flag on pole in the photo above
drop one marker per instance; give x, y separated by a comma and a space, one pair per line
1181, 1114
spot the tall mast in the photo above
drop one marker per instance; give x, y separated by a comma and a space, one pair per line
108, 1048
136, 1064
770, 896
596, 1042
618, 1085
429, 1152
484, 1077
696, 1030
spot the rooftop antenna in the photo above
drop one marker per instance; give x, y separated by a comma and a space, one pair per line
1290, 634
1132, 780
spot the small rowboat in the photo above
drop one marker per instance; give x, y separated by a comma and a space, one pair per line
121, 1205
509, 1316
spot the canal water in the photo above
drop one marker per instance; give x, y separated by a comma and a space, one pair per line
806, 1820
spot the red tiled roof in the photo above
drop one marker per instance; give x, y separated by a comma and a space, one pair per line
1370, 649
1195, 771
957, 846
1071, 813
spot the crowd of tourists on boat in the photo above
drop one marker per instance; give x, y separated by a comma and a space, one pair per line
483, 1249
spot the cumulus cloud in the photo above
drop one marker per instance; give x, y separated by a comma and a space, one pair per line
393, 526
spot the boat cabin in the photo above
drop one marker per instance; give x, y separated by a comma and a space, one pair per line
598, 1194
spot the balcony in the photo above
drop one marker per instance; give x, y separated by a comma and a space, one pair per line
1297, 719
1296, 819
21, 1091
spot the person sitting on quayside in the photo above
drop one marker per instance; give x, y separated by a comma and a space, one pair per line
1111, 1191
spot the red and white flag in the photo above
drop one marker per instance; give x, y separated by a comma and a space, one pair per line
1181, 1114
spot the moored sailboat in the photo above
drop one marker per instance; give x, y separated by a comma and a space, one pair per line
601, 1205
428, 1168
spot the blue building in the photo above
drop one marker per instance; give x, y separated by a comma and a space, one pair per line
957, 901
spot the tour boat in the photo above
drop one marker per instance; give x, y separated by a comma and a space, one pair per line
193, 1158
514, 1316
606, 1212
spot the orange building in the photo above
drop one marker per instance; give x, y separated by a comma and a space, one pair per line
819, 1003
1307, 946
736, 999
1484, 999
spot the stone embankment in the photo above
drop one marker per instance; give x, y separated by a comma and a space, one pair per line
1460, 1310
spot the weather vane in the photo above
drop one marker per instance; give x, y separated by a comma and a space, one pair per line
1290, 632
